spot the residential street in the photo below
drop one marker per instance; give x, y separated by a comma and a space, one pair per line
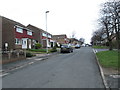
67, 70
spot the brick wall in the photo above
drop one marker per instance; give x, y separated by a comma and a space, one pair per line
8, 35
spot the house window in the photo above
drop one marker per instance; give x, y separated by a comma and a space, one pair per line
29, 33
20, 30
17, 41
44, 34
49, 36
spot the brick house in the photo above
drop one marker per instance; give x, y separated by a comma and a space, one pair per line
15, 35
40, 36
61, 39
73, 41
37, 33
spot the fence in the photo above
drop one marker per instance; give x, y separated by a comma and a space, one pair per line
13, 55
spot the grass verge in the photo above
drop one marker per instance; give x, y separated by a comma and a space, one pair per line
109, 59
100, 47
38, 50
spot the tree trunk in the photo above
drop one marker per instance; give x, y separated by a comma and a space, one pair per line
118, 42
110, 45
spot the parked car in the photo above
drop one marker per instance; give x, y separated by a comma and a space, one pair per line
77, 46
83, 45
66, 48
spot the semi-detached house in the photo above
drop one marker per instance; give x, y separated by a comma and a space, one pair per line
61, 39
42, 37
15, 35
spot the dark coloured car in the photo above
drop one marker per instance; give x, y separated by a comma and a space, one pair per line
66, 48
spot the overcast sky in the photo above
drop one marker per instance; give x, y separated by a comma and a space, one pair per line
65, 16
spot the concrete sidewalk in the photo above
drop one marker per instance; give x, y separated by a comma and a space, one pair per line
110, 76
22, 63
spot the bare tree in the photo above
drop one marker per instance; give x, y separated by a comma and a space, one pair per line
115, 5
110, 21
73, 34
97, 37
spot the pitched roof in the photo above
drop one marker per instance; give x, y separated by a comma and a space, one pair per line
36, 28
73, 39
33, 27
13, 22
61, 35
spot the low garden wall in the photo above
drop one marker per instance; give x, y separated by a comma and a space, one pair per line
11, 56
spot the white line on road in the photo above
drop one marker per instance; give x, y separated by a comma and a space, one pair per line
31, 63
39, 59
95, 51
4, 74
115, 76
1, 71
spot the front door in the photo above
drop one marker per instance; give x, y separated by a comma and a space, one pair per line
24, 43
29, 43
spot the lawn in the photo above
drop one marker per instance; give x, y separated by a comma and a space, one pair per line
38, 50
109, 59
100, 47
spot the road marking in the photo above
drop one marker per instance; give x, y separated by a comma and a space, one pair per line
95, 51
1, 71
18, 67
31, 58
115, 76
39, 59
31, 63
4, 74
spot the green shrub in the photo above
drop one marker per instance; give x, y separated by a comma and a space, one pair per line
38, 45
53, 49
28, 54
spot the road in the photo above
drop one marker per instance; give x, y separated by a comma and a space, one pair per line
68, 70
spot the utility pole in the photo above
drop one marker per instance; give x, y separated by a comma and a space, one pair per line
47, 33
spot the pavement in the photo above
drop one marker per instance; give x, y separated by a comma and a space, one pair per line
22, 63
111, 77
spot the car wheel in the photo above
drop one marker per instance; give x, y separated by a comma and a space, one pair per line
69, 51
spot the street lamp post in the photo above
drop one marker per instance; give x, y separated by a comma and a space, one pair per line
46, 31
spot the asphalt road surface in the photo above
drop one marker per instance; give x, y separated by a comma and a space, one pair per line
67, 70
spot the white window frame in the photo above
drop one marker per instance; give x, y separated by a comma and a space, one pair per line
49, 36
18, 41
29, 33
20, 30
44, 34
